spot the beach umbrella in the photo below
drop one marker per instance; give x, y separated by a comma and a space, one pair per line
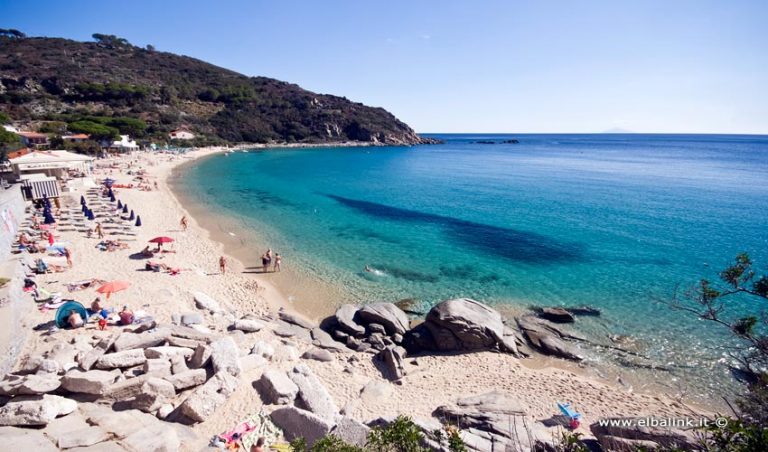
138, 220
119, 204
112, 287
161, 239
111, 196
90, 214
48, 218
132, 216
125, 208
83, 208
82, 200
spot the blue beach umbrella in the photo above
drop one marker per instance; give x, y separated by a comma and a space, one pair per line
119, 204
125, 208
112, 198
91, 216
82, 200
131, 217
138, 220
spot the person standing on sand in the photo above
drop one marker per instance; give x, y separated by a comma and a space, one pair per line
278, 261
264, 263
223, 265
99, 232
183, 223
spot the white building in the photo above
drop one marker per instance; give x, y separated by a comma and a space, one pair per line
124, 144
9, 128
52, 163
181, 134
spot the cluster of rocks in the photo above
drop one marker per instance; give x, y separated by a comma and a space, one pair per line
154, 369
306, 407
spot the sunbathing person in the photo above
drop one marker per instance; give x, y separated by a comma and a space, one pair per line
74, 320
97, 308
126, 316
146, 252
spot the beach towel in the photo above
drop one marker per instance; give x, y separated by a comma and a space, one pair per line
250, 430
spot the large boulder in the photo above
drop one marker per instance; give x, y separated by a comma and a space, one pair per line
263, 349
547, 340
167, 352
464, 324
225, 356
187, 379
128, 341
313, 395
393, 358
295, 319
351, 431
126, 358
318, 354
345, 316
94, 382
204, 401
324, 340
557, 315
155, 392
25, 439
248, 325
497, 418
29, 384
276, 388
203, 301
394, 320
298, 423
82, 437
157, 367
200, 357
88, 359
35, 410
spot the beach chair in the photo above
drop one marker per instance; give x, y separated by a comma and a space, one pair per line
573, 415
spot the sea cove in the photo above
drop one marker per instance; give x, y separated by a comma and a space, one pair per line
617, 222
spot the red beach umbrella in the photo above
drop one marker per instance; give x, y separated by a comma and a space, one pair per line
161, 240
112, 287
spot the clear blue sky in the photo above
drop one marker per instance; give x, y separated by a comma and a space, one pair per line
469, 66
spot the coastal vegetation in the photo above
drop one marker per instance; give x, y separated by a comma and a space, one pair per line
109, 86
712, 302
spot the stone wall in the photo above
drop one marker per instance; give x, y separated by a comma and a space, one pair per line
15, 305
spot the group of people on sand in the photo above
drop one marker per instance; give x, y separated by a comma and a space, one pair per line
267, 259
98, 311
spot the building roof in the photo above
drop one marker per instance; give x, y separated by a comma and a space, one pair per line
18, 153
32, 135
77, 136
50, 157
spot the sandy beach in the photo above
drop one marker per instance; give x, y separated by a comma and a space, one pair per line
430, 381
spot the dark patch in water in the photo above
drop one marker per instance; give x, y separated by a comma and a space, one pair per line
512, 244
354, 232
469, 272
261, 197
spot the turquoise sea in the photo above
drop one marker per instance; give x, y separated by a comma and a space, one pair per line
618, 222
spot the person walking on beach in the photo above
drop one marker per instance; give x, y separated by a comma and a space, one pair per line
278, 261
223, 265
183, 223
99, 232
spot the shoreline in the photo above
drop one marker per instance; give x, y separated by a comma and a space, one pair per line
430, 380
323, 306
